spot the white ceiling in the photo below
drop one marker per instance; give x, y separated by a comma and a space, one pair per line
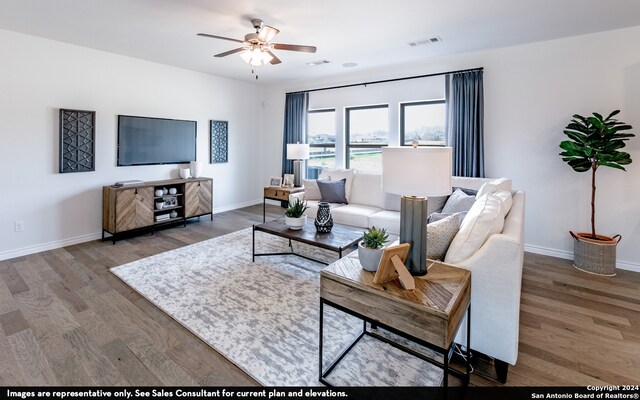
370, 33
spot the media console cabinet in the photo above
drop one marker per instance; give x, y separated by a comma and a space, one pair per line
129, 208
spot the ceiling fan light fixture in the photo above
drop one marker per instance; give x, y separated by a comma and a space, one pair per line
246, 56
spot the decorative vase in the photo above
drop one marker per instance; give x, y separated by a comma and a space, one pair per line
173, 190
185, 173
196, 169
295, 223
165, 191
173, 214
369, 258
159, 192
159, 205
324, 219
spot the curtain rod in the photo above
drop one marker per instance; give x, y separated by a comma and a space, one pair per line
388, 80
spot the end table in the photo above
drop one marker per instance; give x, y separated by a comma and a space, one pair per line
277, 193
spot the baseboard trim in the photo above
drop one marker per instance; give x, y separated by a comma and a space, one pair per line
231, 207
25, 251
568, 255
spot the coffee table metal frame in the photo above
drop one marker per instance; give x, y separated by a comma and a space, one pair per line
295, 235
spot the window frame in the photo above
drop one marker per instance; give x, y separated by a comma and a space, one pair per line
347, 131
418, 103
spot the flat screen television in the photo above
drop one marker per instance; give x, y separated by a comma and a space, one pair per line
153, 141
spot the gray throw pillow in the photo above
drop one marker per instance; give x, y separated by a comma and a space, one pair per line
333, 191
311, 190
459, 201
435, 204
438, 216
440, 234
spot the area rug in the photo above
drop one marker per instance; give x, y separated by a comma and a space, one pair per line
264, 316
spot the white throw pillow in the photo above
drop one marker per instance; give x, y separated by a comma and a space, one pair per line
507, 200
485, 218
311, 190
459, 201
440, 234
495, 185
336, 175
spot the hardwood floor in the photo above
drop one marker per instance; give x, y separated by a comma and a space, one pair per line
66, 320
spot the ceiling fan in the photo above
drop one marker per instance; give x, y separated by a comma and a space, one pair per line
256, 47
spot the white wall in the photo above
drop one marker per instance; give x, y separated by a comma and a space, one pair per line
531, 91
38, 77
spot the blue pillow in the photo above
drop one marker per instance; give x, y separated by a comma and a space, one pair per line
333, 191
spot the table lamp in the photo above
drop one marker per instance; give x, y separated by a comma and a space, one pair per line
298, 152
416, 172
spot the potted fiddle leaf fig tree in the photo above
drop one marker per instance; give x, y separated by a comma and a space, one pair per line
595, 142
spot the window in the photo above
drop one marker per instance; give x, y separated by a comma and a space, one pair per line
322, 141
423, 121
367, 130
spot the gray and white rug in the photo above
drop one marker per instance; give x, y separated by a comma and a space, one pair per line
264, 316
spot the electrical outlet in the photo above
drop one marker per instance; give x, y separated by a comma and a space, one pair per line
18, 226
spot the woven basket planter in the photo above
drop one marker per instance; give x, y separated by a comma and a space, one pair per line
596, 256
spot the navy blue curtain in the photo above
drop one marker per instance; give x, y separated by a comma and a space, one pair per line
295, 125
465, 122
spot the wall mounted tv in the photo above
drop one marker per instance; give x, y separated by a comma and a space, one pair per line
152, 141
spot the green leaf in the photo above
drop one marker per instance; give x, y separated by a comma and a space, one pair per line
598, 116
616, 112
612, 165
580, 165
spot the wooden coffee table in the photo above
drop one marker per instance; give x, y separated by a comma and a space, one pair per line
339, 239
429, 315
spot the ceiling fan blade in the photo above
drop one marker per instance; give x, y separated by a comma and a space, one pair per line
228, 53
294, 47
220, 37
267, 33
275, 59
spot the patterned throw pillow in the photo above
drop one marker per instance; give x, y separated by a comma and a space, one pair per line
311, 190
459, 201
440, 234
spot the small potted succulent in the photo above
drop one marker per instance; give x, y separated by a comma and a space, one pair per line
371, 247
295, 218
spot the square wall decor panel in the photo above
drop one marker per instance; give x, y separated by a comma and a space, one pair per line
77, 140
219, 141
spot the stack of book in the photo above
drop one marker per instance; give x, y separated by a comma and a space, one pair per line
162, 217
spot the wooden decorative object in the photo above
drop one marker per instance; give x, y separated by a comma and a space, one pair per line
77, 140
392, 266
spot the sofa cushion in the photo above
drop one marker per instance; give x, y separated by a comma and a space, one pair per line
494, 186
311, 190
485, 218
366, 189
337, 174
440, 234
333, 191
354, 214
434, 204
459, 201
389, 220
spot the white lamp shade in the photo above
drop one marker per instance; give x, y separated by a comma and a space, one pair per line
420, 171
297, 151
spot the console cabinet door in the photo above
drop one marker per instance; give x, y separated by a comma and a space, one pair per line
134, 208
198, 198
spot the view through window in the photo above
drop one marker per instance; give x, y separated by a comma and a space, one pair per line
322, 140
367, 132
423, 121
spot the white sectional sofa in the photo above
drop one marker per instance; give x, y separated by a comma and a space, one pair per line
496, 267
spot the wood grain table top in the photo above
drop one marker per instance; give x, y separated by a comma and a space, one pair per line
340, 237
438, 293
